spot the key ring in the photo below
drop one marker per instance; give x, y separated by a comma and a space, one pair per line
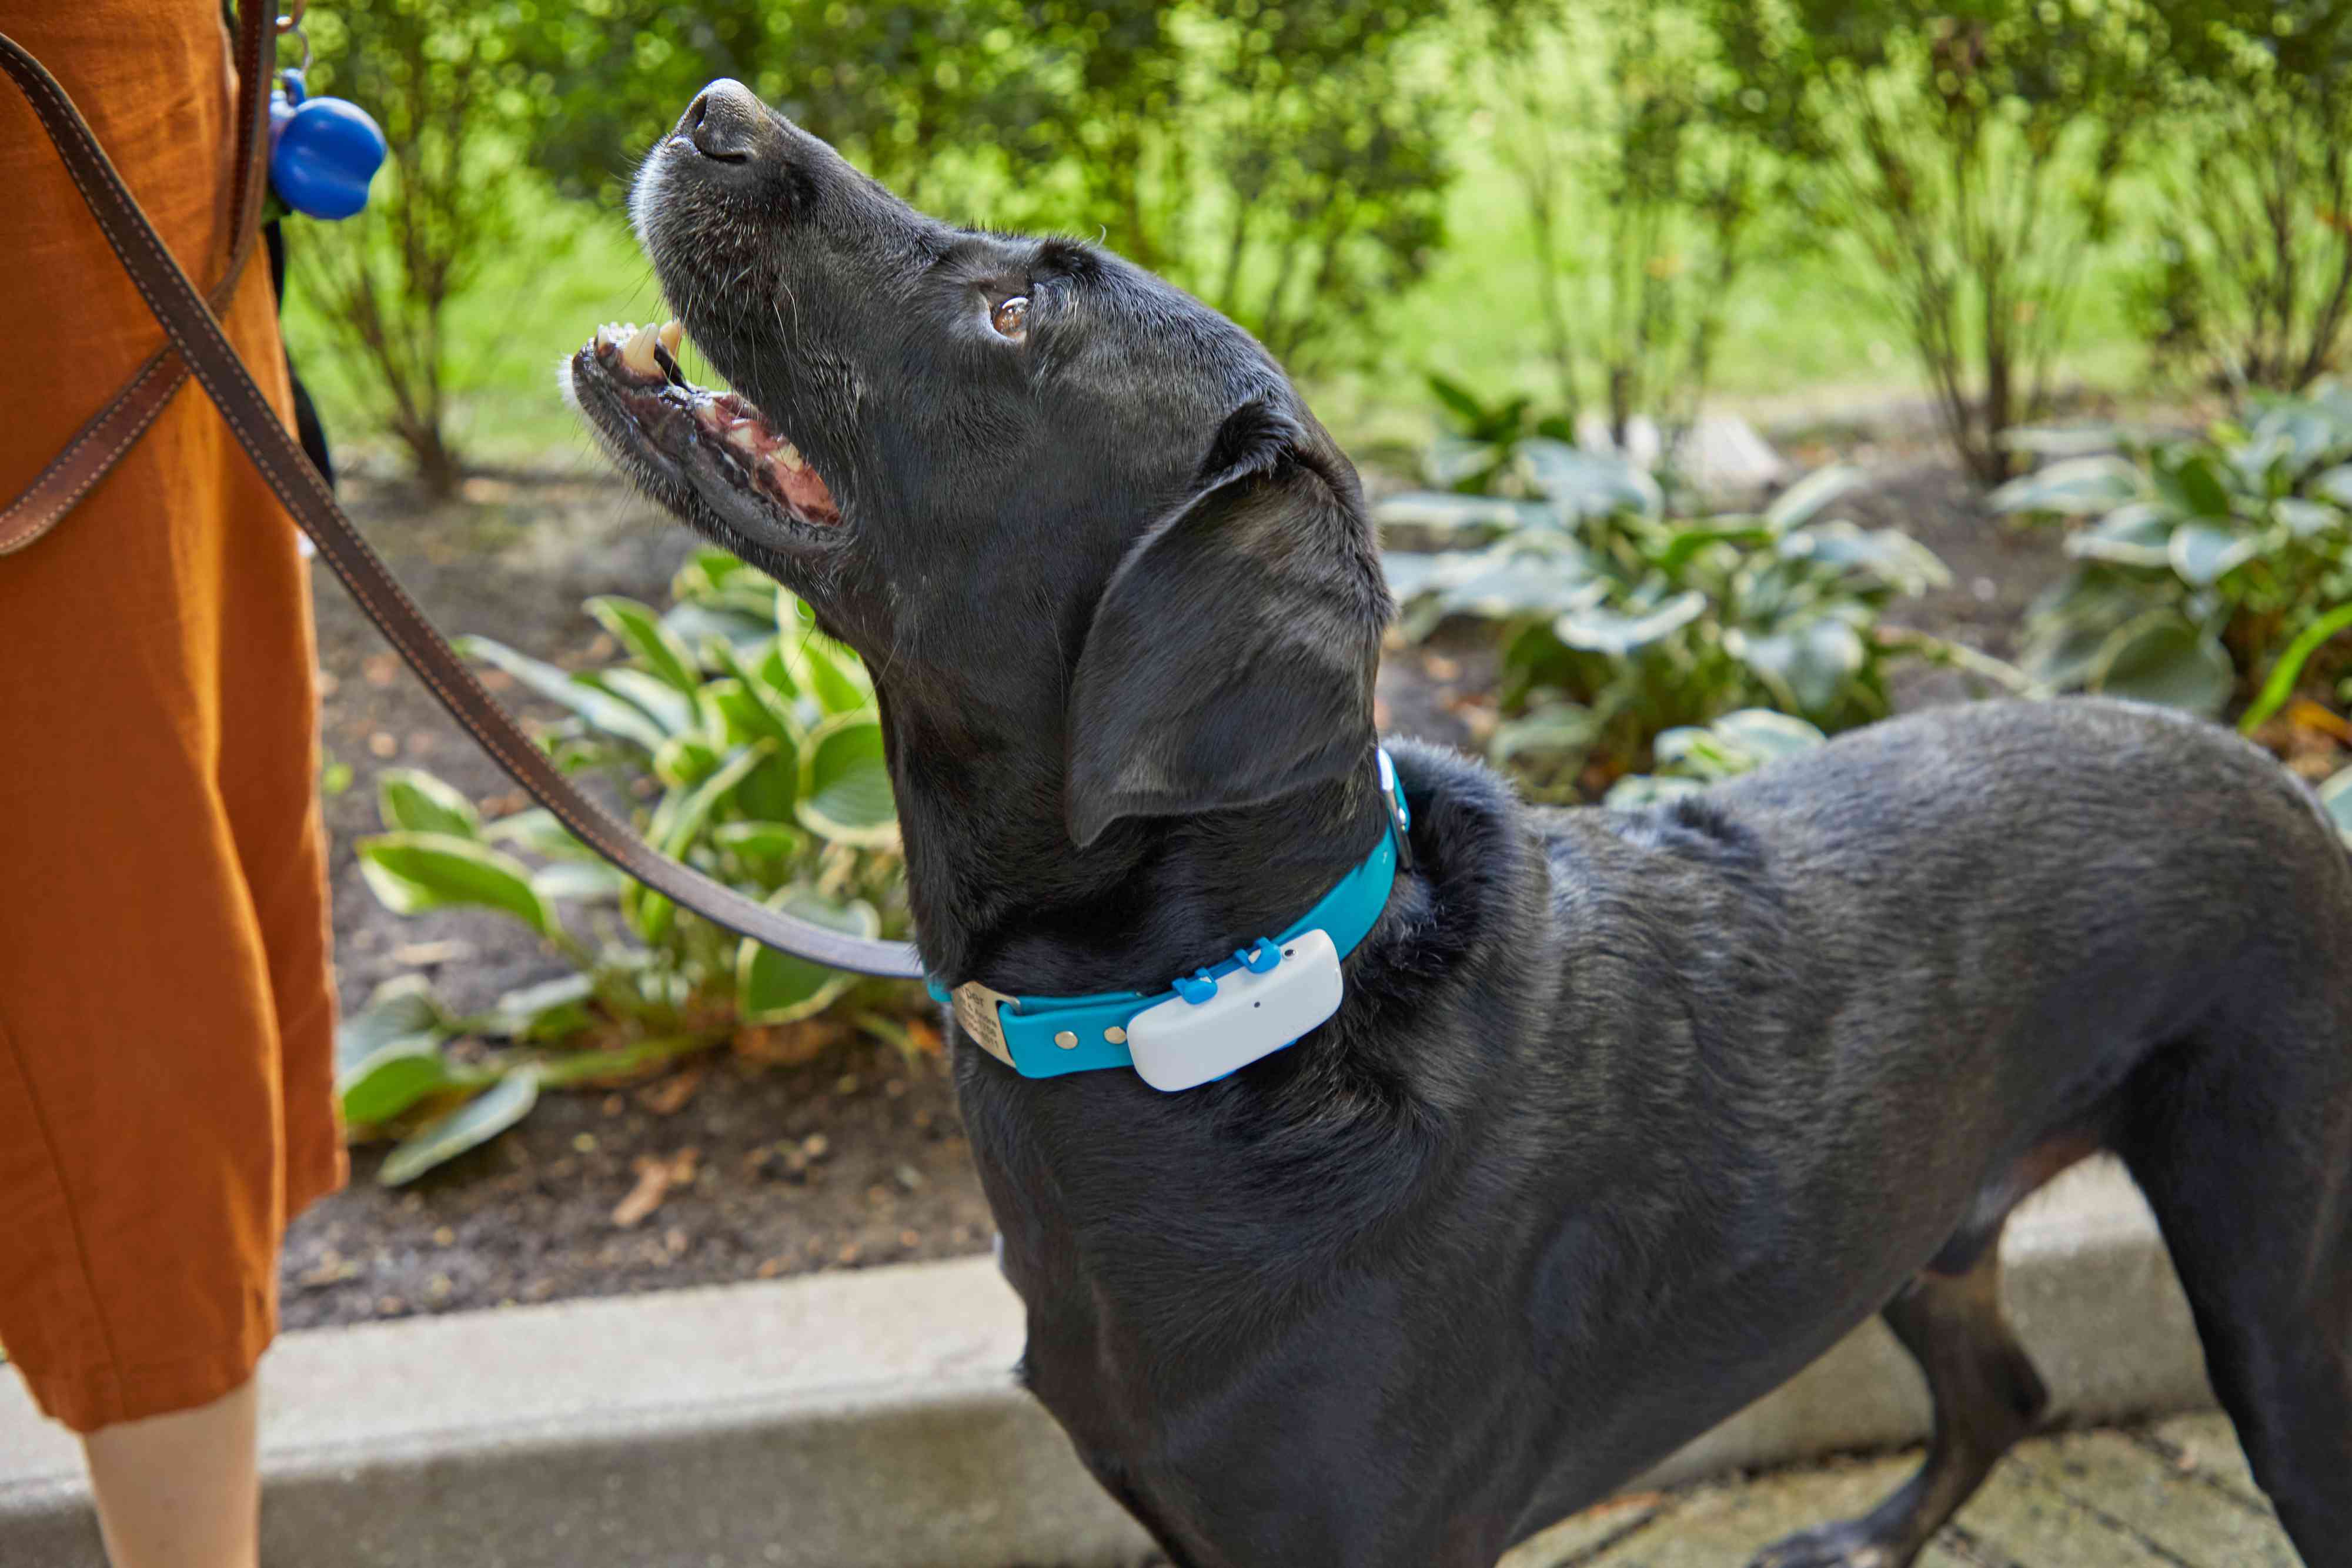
288, 21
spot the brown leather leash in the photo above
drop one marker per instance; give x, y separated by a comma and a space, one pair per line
203, 351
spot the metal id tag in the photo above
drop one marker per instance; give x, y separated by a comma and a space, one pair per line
975, 1010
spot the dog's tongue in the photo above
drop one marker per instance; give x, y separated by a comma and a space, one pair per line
649, 353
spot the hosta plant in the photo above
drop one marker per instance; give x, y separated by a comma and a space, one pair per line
1619, 620
1693, 757
756, 747
2198, 560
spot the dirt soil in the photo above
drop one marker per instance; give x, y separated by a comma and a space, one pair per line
857, 1157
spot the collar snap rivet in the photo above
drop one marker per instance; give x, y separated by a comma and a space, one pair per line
1116, 1035
1065, 1040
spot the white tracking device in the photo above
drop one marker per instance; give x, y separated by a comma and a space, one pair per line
1182, 1045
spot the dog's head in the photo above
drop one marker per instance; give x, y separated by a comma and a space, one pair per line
1043, 493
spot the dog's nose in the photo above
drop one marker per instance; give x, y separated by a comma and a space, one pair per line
724, 120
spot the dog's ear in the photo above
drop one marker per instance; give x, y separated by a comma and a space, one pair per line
1231, 659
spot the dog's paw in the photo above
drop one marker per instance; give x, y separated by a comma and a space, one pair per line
1848, 1545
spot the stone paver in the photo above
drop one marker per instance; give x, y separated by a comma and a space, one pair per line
2144, 1492
2173, 1495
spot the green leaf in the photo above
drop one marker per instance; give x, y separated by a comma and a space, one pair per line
1639, 790
1441, 512
2289, 668
1602, 630
2138, 533
552, 1009
393, 1080
684, 760
2202, 554
759, 841
656, 699
578, 880
778, 987
685, 821
2164, 658
1583, 483
700, 626
410, 799
663, 655
388, 1054
538, 830
600, 709
2336, 796
1459, 400
402, 1007
2201, 488
1563, 729
1808, 664
824, 670
1802, 501
844, 784
413, 872
2075, 487
1767, 736
474, 1122
1890, 556
2336, 485
1682, 544
2307, 520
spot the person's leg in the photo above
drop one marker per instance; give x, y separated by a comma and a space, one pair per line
181, 1491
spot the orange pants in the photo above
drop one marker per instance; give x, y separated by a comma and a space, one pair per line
166, 1010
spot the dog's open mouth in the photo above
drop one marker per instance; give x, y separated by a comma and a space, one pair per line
627, 380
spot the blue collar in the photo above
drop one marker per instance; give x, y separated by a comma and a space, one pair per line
1045, 1037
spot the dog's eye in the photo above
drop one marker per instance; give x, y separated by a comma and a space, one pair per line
1011, 318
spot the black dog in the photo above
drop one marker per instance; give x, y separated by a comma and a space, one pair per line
1625, 1116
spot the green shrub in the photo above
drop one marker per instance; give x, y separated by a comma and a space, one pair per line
1646, 153
1971, 151
2201, 558
1283, 161
454, 90
1692, 757
1618, 621
759, 746
2255, 275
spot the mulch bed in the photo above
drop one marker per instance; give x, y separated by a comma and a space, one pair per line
732, 1170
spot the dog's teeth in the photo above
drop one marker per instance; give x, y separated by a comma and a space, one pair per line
790, 456
608, 336
744, 436
670, 336
638, 353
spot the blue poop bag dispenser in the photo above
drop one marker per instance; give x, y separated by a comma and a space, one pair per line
322, 151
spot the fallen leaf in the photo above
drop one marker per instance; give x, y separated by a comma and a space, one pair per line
668, 1096
653, 1185
655, 1176
381, 669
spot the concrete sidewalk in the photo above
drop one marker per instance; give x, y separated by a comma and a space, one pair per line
2175, 1494
868, 1420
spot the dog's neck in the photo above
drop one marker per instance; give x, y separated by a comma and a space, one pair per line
999, 893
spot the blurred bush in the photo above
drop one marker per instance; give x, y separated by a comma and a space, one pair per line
2255, 276
1285, 161
455, 89
1650, 148
1971, 147
759, 744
